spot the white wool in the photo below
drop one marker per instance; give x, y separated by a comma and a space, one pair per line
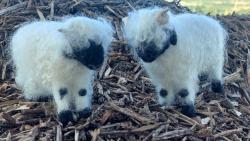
200, 48
96, 30
141, 27
41, 67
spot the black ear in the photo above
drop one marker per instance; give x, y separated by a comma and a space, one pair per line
94, 55
173, 38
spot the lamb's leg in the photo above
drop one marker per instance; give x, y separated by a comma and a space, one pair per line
188, 99
64, 107
187, 93
215, 75
83, 103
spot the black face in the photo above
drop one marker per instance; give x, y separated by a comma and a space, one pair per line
92, 57
148, 52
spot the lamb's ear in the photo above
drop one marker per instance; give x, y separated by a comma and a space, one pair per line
162, 16
67, 33
63, 30
125, 21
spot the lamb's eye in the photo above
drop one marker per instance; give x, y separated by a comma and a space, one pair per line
63, 92
82, 92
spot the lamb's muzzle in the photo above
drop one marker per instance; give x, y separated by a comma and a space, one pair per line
148, 52
92, 56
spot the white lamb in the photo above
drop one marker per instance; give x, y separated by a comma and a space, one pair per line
58, 59
175, 49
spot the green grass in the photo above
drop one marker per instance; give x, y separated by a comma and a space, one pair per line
222, 7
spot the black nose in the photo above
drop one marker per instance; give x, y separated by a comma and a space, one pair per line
188, 110
94, 55
65, 116
85, 113
148, 55
148, 52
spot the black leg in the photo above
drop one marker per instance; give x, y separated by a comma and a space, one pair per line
85, 113
188, 110
217, 86
65, 117
45, 99
163, 93
183, 93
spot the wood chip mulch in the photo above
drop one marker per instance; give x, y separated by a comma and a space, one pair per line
123, 101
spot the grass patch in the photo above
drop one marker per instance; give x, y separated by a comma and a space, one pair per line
222, 7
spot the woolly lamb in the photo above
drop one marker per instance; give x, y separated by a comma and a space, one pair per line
58, 59
175, 49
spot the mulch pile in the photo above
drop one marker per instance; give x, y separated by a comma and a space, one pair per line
123, 101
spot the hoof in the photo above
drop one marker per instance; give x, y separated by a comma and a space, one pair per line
217, 86
65, 117
183, 93
44, 99
188, 110
163, 93
85, 113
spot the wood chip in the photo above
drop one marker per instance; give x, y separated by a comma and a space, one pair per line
227, 132
129, 113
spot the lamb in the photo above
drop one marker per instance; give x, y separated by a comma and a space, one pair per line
175, 50
58, 59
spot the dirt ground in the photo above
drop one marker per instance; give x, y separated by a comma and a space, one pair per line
123, 101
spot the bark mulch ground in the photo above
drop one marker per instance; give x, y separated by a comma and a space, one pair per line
123, 101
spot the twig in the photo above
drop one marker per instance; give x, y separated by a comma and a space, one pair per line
33, 111
40, 14
29, 4
147, 127
228, 132
173, 134
233, 77
10, 102
112, 11
118, 30
52, 9
58, 133
137, 130
77, 132
130, 5
103, 68
129, 113
9, 118
30, 121
13, 8
181, 117
31, 135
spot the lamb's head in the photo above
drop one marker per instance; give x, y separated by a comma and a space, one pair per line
89, 40
72, 90
149, 33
